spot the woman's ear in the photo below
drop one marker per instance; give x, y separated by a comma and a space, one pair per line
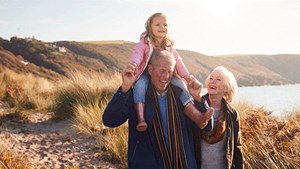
227, 89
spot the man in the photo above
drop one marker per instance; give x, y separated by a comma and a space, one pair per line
167, 143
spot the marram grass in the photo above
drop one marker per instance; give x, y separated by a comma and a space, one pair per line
268, 142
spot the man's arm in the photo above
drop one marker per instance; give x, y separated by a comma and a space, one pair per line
128, 78
117, 110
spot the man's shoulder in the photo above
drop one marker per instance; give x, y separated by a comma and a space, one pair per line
177, 90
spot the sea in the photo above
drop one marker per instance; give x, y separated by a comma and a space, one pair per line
281, 100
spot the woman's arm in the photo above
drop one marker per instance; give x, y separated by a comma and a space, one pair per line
238, 160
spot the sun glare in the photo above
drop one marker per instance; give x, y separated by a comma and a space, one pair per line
221, 8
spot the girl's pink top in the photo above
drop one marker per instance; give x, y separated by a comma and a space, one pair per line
141, 56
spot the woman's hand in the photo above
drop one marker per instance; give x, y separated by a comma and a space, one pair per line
195, 87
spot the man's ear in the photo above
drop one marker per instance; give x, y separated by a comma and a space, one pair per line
150, 69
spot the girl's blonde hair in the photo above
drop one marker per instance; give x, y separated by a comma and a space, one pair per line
167, 41
229, 81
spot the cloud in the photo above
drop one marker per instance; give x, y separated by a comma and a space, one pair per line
3, 7
3, 22
51, 20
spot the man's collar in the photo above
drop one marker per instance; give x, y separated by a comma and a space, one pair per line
163, 93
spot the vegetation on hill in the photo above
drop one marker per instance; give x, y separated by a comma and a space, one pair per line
47, 56
268, 142
57, 59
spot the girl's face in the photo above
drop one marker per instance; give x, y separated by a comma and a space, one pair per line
216, 84
159, 27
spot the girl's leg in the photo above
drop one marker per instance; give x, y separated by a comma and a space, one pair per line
185, 96
139, 94
200, 118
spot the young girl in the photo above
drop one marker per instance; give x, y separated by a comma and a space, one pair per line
156, 37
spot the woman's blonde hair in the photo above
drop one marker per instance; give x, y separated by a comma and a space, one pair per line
229, 81
167, 42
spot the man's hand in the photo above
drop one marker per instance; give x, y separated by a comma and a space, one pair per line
195, 87
128, 77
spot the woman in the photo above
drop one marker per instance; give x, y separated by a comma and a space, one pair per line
220, 148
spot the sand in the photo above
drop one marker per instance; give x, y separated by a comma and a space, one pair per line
50, 143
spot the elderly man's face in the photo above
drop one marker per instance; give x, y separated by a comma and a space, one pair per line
161, 74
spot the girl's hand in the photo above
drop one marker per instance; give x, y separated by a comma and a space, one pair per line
188, 78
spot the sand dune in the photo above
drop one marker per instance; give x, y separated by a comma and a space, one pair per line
51, 144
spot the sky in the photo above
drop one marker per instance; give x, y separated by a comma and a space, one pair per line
211, 27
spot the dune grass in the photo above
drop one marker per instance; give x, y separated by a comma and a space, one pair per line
268, 141
82, 97
114, 141
20, 93
25, 91
12, 160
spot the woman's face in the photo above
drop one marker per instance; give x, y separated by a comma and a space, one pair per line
216, 84
159, 27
